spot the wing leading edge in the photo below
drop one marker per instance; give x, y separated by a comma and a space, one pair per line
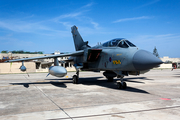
77, 53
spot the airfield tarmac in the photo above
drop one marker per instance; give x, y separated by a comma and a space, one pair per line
151, 96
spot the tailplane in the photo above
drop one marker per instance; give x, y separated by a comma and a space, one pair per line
78, 41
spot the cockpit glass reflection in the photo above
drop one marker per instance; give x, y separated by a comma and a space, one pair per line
123, 44
130, 44
118, 42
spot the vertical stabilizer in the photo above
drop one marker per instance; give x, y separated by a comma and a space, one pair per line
78, 41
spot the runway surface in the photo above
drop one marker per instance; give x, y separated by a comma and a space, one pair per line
151, 96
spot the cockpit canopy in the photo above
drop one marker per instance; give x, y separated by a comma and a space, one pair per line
118, 42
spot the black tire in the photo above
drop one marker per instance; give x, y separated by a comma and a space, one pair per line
124, 85
75, 79
119, 85
110, 79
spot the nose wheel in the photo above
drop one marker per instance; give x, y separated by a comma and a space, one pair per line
122, 84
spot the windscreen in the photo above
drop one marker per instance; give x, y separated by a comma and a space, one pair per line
123, 44
130, 44
112, 43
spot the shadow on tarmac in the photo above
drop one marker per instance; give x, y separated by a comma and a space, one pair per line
91, 81
57, 84
112, 85
176, 76
144, 78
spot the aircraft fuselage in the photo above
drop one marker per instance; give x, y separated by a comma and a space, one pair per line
119, 56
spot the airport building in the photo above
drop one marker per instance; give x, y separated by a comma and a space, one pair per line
170, 62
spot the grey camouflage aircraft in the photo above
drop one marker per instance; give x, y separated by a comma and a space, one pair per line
117, 58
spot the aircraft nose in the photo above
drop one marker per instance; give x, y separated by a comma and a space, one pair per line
144, 60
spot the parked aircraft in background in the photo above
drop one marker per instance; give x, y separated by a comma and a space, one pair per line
117, 58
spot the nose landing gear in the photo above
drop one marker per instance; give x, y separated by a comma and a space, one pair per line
122, 84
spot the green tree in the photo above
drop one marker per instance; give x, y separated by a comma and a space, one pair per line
40, 52
155, 52
4, 51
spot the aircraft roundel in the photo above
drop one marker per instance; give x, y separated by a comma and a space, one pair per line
110, 59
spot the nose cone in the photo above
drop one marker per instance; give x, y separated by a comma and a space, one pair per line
144, 60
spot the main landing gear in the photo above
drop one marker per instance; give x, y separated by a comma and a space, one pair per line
122, 84
76, 77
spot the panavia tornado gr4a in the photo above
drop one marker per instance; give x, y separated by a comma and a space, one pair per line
117, 58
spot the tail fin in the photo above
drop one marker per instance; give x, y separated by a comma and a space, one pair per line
78, 41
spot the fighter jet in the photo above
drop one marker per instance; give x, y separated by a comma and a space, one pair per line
116, 58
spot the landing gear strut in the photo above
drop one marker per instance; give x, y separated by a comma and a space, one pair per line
122, 84
76, 77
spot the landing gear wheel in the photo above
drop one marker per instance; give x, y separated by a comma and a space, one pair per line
124, 85
110, 79
75, 79
119, 85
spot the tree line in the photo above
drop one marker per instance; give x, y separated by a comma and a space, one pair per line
21, 52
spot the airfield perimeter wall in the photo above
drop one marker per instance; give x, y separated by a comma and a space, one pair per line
14, 67
165, 66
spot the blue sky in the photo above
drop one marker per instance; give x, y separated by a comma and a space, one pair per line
45, 25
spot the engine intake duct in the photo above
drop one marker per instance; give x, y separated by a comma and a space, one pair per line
93, 54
